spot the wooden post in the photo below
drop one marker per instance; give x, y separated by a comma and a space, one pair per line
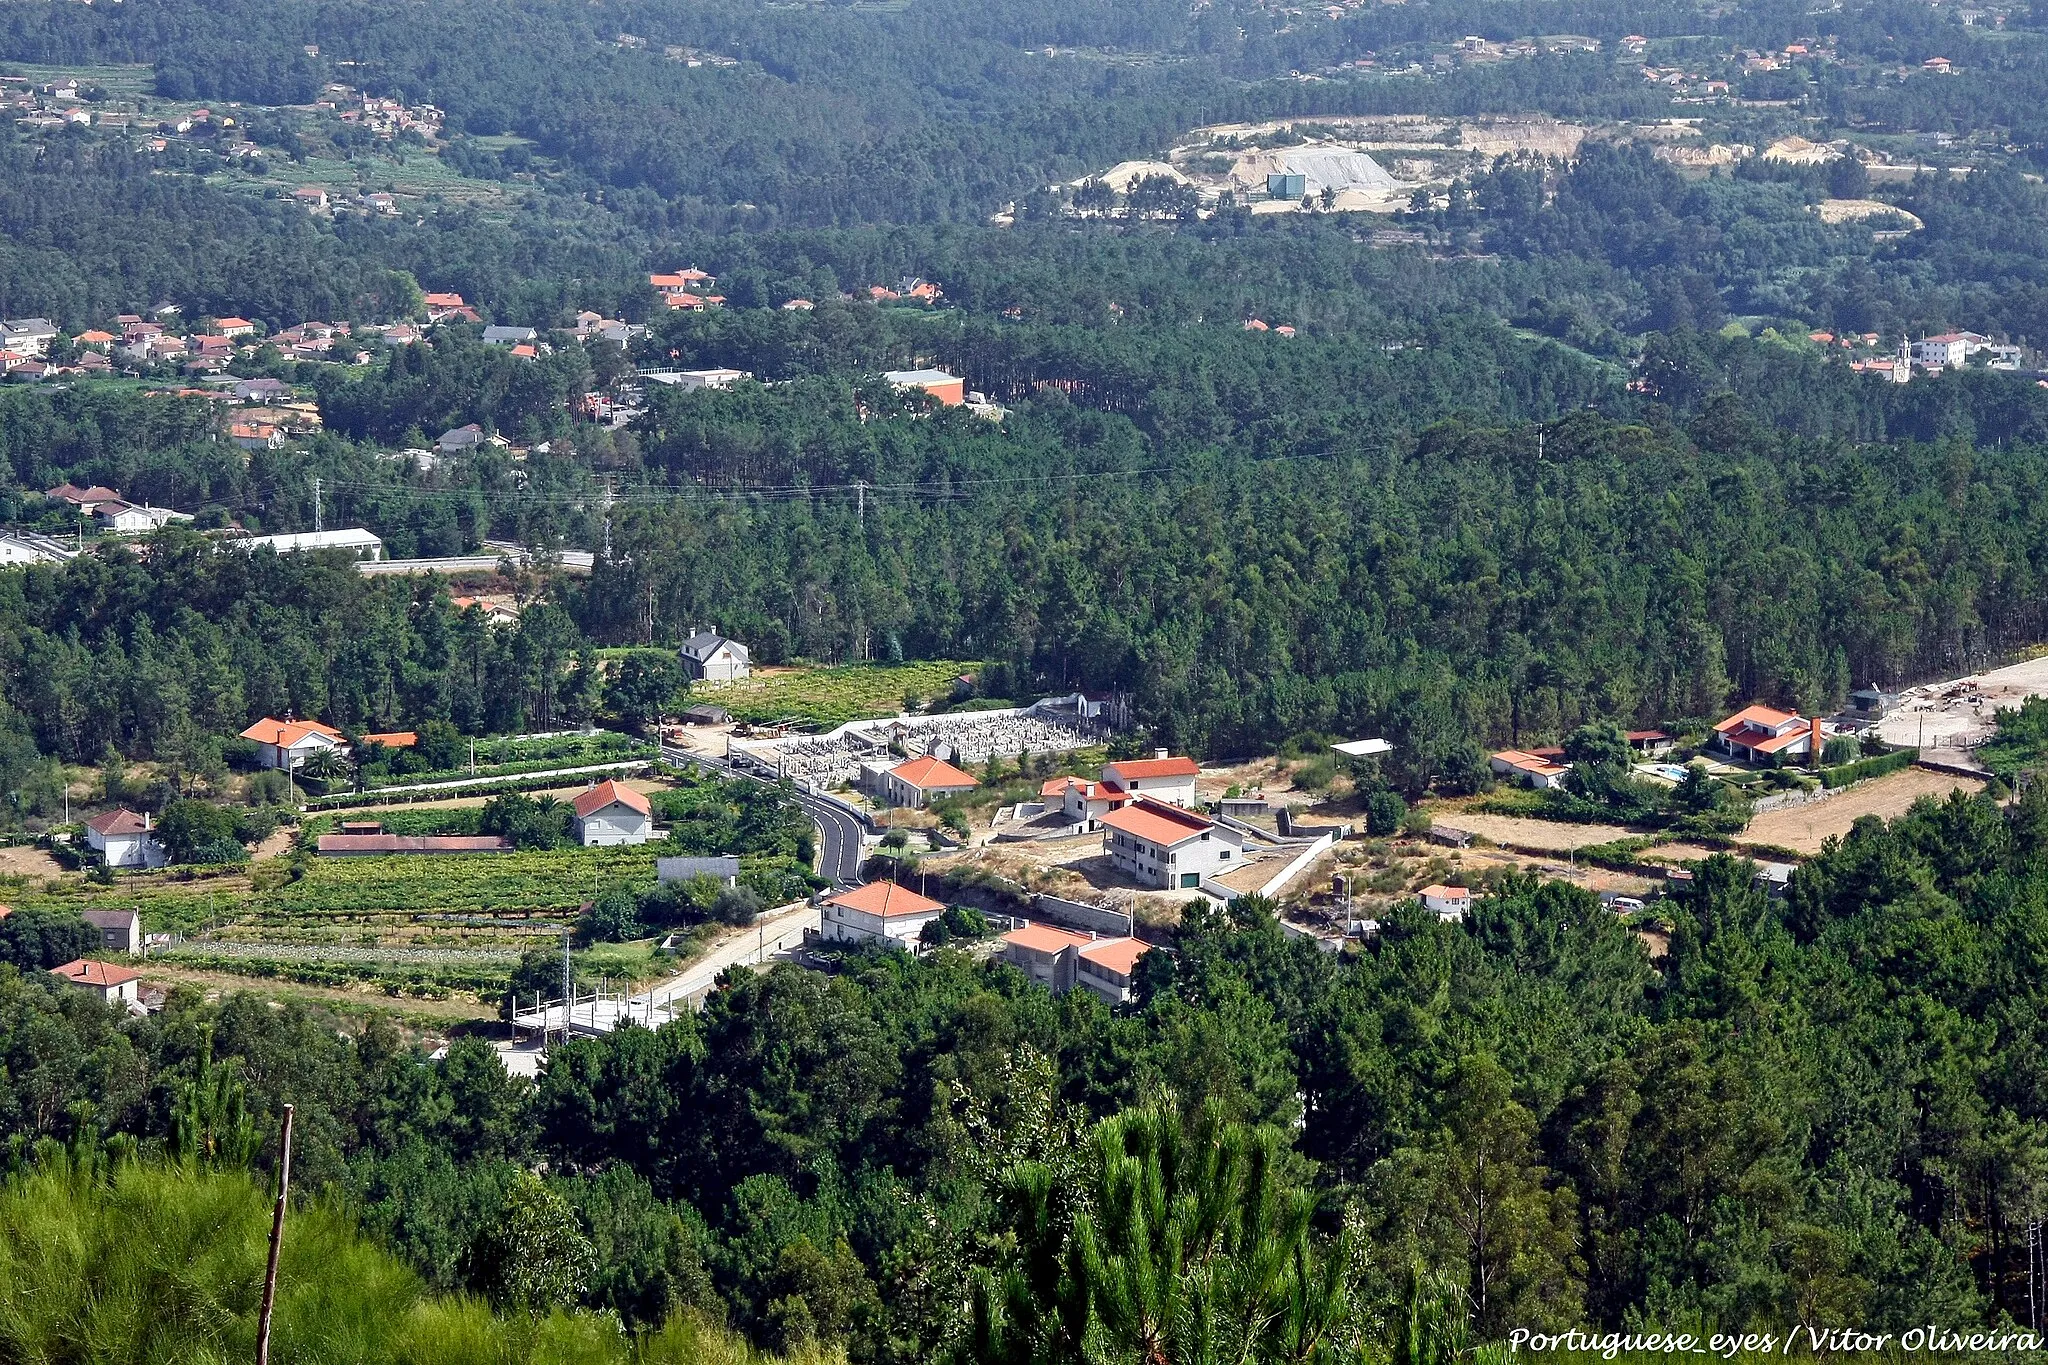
284, 1184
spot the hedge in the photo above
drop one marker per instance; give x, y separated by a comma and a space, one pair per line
1864, 768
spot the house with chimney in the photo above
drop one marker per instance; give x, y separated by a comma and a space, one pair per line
1766, 735
123, 838
289, 743
115, 985
877, 912
710, 657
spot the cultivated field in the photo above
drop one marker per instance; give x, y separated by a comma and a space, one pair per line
826, 697
1802, 828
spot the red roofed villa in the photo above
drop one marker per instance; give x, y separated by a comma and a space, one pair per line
1764, 734
1164, 777
1167, 848
880, 912
289, 743
921, 781
115, 985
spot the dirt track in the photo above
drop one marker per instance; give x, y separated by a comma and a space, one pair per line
1802, 828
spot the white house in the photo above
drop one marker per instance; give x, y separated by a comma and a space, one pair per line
1168, 848
115, 985
1162, 777
1758, 734
1083, 803
879, 912
120, 930
26, 547
1948, 349
289, 743
125, 518
1447, 902
1537, 770
455, 440
123, 839
611, 813
1107, 965
509, 336
921, 781
711, 657
27, 336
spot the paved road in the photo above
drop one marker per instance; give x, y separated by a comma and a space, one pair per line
841, 846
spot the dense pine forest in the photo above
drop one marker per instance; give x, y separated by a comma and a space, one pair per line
1819, 1109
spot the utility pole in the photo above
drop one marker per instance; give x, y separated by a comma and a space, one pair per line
860, 489
316, 504
607, 514
568, 988
284, 1184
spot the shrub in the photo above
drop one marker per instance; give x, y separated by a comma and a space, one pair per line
1384, 812
1865, 768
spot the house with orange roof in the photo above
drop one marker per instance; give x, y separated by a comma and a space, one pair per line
1164, 777
611, 813
289, 743
233, 327
1447, 903
1108, 965
1167, 848
1764, 734
394, 739
1535, 770
921, 781
1045, 954
115, 985
879, 912
256, 435
1084, 803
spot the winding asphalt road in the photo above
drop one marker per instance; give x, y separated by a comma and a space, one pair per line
840, 834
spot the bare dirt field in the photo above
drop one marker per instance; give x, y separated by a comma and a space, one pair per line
1804, 827
1673, 854
28, 862
1526, 833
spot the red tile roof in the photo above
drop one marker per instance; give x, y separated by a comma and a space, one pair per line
84, 971
1446, 893
394, 739
285, 733
886, 900
1043, 938
929, 773
1157, 823
606, 793
1118, 955
1762, 717
1139, 769
117, 822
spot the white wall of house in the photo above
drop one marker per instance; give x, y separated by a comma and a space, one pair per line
1177, 791
617, 823
896, 792
127, 850
1182, 866
1112, 986
275, 756
843, 924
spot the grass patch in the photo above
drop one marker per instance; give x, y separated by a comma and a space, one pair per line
824, 697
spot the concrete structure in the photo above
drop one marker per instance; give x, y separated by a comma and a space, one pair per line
123, 839
950, 390
1107, 965
1161, 777
120, 930
724, 868
609, 814
26, 547
1045, 954
289, 743
383, 845
1167, 848
879, 912
115, 985
1533, 769
1447, 902
921, 781
1763, 734
717, 378
362, 544
710, 657
1947, 350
